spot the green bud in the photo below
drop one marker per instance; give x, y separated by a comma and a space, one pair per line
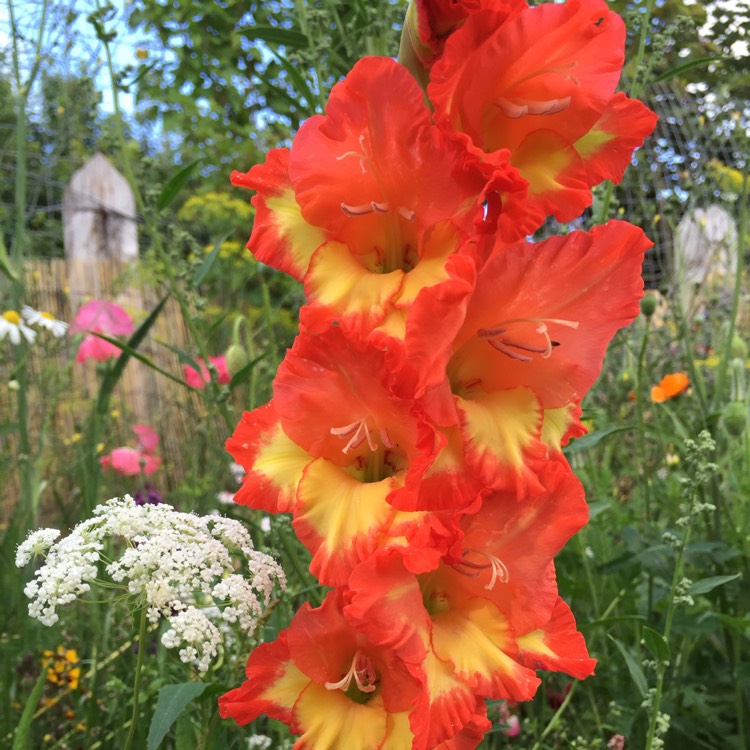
735, 418
236, 358
648, 305
739, 348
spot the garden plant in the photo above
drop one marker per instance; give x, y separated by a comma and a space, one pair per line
450, 479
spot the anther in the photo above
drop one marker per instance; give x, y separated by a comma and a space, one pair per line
378, 207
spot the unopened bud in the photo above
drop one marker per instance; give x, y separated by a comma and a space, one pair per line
738, 348
735, 418
648, 305
236, 358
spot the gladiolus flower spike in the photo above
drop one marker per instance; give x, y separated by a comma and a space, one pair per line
416, 427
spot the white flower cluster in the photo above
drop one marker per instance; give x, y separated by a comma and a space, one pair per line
258, 742
180, 566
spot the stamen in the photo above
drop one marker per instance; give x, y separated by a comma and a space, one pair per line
510, 346
363, 672
474, 569
500, 346
361, 156
357, 432
499, 572
356, 210
378, 207
385, 438
521, 107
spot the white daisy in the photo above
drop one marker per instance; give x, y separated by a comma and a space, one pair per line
13, 326
45, 320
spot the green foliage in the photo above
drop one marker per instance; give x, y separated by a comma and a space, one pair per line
242, 76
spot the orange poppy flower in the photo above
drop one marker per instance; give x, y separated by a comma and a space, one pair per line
670, 386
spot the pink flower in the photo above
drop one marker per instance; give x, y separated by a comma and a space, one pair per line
198, 380
148, 440
512, 726
509, 721
92, 347
130, 462
100, 316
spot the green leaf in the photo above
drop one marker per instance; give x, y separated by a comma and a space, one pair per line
140, 357
175, 184
172, 702
21, 741
656, 643
183, 356
205, 267
687, 66
633, 667
115, 373
7, 427
613, 621
276, 35
709, 584
243, 375
5, 265
740, 624
598, 507
299, 82
594, 438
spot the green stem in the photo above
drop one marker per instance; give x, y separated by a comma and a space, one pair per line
726, 354
739, 698
662, 667
137, 679
641, 432
25, 515
555, 720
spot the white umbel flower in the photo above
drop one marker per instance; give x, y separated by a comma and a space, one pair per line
179, 566
14, 327
45, 320
36, 543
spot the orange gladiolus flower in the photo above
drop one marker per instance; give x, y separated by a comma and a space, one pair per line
537, 85
670, 386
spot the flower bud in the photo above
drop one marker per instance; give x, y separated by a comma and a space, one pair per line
735, 418
236, 358
738, 348
648, 305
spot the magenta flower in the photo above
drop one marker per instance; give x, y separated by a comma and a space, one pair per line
130, 462
198, 380
100, 316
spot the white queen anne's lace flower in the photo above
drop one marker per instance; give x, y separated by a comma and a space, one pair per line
36, 543
179, 566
